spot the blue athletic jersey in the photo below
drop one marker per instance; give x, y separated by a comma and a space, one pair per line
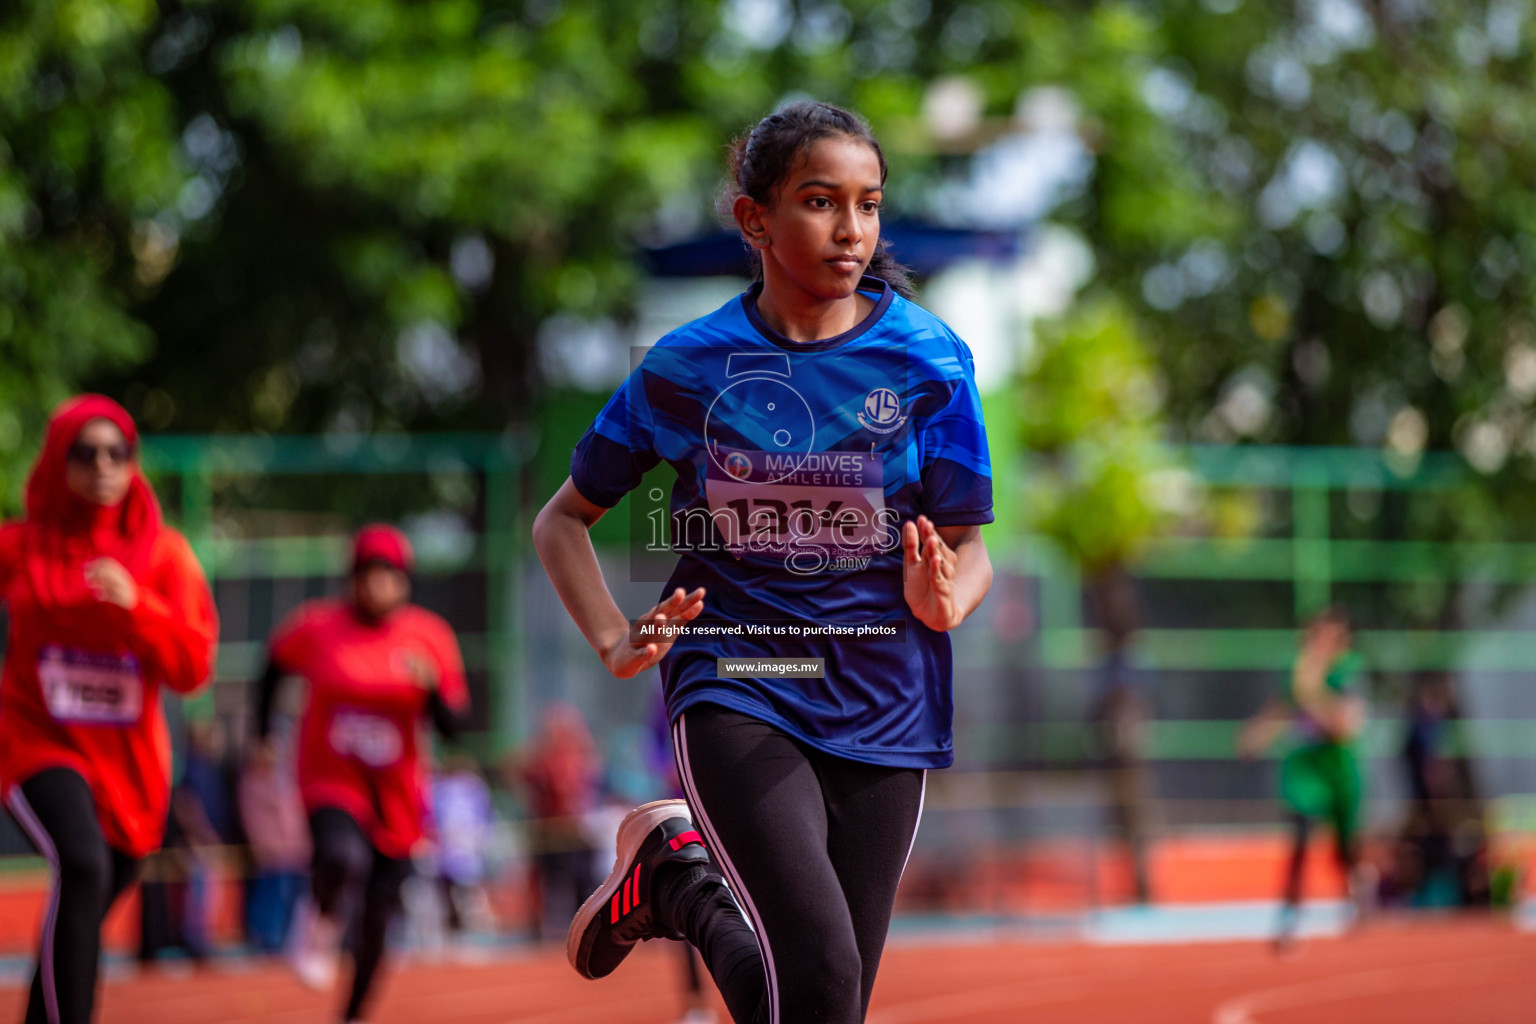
796, 465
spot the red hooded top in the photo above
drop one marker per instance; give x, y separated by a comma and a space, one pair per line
81, 686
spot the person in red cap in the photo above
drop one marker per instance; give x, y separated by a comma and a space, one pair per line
107, 606
377, 665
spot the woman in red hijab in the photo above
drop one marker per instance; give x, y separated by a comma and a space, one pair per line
107, 605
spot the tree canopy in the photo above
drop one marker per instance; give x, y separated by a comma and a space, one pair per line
298, 215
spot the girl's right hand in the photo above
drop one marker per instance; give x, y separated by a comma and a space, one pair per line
111, 583
635, 652
1253, 739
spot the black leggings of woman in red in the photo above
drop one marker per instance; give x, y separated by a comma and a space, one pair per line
57, 813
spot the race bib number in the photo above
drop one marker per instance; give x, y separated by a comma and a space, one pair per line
90, 687
372, 739
817, 510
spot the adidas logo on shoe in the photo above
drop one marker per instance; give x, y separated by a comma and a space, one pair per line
621, 913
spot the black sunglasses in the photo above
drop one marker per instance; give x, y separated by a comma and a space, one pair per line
82, 454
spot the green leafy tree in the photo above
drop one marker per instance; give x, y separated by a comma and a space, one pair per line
89, 158
1091, 410
1354, 262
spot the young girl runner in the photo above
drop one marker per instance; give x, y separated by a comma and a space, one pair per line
377, 666
107, 605
832, 473
1320, 777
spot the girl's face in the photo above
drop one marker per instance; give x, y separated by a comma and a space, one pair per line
99, 465
824, 222
1331, 636
378, 589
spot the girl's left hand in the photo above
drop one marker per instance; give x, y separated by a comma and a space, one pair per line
111, 582
421, 671
928, 572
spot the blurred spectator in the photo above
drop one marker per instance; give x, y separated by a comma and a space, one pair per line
1441, 859
209, 780
274, 820
1423, 871
465, 825
1430, 772
631, 773
203, 805
179, 901
161, 879
560, 771
1119, 715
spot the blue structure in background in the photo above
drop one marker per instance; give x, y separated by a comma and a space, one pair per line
925, 249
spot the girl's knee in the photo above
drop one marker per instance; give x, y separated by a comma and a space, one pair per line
85, 866
825, 984
343, 863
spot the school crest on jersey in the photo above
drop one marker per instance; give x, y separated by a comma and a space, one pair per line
882, 411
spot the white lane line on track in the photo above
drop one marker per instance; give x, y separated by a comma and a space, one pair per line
1382, 980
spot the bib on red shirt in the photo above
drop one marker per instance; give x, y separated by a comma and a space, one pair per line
360, 744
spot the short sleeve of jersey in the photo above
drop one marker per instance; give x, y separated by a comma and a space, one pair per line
616, 451
957, 469
293, 641
1342, 678
1344, 674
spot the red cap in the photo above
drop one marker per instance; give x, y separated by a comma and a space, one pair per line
377, 542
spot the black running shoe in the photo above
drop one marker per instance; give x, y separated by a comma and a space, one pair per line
620, 913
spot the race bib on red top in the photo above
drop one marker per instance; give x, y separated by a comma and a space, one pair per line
90, 687
811, 507
372, 739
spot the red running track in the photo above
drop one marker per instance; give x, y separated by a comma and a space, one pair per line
1475, 971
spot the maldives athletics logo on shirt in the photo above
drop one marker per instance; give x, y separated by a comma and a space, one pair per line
738, 465
882, 411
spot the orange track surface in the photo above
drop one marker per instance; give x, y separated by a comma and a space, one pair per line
1475, 971
1045, 878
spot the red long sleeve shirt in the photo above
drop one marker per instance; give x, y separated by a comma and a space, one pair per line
82, 682
360, 748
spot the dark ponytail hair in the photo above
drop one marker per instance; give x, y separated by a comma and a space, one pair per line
761, 159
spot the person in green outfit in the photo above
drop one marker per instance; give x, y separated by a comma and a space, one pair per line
1320, 776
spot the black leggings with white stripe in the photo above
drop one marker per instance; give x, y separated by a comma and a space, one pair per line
58, 814
812, 846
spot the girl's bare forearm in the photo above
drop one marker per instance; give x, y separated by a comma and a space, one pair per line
565, 547
973, 575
